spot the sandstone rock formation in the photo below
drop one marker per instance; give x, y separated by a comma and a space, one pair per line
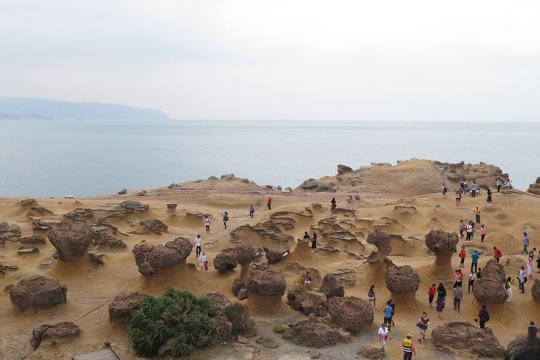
72, 239
307, 301
489, 289
275, 253
37, 292
535, 290
383, 243
237, 285
443, 245
80, 214
127, 208
267, 230
106, 240
155, 226
331, 287
219, 300
152, 258
244, 253
462, 338
28, 202
313, 333
33, 240
225, 261
372, 353
401, 280
9, 232
350, 313
123, 306
535, 188
317, 186
267, 282
523, 348
60, 331
343, 169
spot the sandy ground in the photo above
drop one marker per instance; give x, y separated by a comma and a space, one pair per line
91, 287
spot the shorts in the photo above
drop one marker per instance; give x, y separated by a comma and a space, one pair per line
462, 261
387, 320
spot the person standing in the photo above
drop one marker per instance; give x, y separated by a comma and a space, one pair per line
207, 223
408, 348
470, 286
497, 254
489, 199
483, 317
307, 280
474, 261
441, 292
431, 294
384, 335
458, 295
462, 255
388, 314
314, 242
461, 228
269, 203
522, 278
458, 198
483, 232
499, 184
477, 214
202, 260
251, 211
198, 245
423, 324
333, 203
458, 278
371, 296
508, 288
225, 219
530, 265
469, 232
525, 243
474, 188
444, 189
440, 307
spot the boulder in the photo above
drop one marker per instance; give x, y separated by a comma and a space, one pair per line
122, 192
383, 243
237, 285
221, 330
133, 206
267, 230
38, 211
106, 240
344, 169
123, 306
523, 348
464, 339
350, 313
80, 214
307, 301
489, 289
28, 202
58, 332
535, 188
443, 245
268, 282
313, 333
37, 292
9, 232
219, 299
372, 353
244, 253
401, 279
225, 261
243, 294
274, 253
535, 290
317, 186
152, 258
155, 226
331, 286
33, 240
40, 225
72, 239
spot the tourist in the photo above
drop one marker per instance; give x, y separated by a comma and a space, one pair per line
483, 232
431, 294
307, 280
474, 188
314, 242
508, 288
497, 254
408, 348
423, 324
483, 317
441, 292
306, 236
477, 214
479, 273
458, 198
393, 306
458, 277
458, 295
522, 278
462, 255
205, 266
532, 330
388, 312
474, 261
334, 203
440, 307
489, 199
225, 219
525, 243
198, 245
444, 189
538, 262
207, 223
384, 335
371, 296
463, 187
507, 184
470, 286
499, 184
461, 228
530, 265
202, 260
251, 211
469, 231
269, 203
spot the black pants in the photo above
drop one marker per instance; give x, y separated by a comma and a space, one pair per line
497, 258
525, 250
251, 213
431, 299
522, 287
461, 233
457, 304
482, 238
498, 188
207, 228
471, 285
225, 224
478, 218
482, 324
407, 355
473, 193
197, 251
474, 266
469, 236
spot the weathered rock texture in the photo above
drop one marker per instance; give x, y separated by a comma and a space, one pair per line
267, 282
350, 313
152, 258
462, 338
72, 239
37, 292
383, 243
123, 306
58, 332
312, 333
225, 261
443, 245
331, 286
489, 289
401, 280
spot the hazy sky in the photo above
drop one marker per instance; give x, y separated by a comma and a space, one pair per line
299, 60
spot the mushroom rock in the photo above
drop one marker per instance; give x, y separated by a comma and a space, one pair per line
331, 286
523, 348
244, 253
350, 313
307, 301
268, 282
383, 243
401, 280
443, 245
225, 261
152, 258
72, 239
489, 288
464, 339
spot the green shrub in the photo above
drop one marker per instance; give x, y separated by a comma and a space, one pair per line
177, 315
279, 329
238, 315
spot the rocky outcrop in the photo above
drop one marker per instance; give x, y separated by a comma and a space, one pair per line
152, 258
37, 292
371, 352
535, 290
523, 348
155, 226
275, 253
535, 188
28, 202
307, 301
244, 253
401, 280
489, 289
313, 333
267, 230
317, 186
9, 232
443, 245
72, 239
106, 240
123, 306
331, 287
38, 211
33, 240
225, 261
268, 282
383, 243
464, 339
58, 332
40, 225
127, 208
344, 169
237, 285
219, 300
350, 313
80, 214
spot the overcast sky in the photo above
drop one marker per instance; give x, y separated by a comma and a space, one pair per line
282, 60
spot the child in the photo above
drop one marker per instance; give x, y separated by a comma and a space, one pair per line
440, 307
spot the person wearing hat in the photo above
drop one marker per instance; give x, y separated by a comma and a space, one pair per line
408, 348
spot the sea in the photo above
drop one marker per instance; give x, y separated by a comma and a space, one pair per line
43, 158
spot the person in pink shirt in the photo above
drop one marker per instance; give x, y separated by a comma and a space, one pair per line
483, 232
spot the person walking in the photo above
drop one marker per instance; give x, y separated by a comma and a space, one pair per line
530, 265
525, 243
499, 184
440, 307
408, 348
497, 254
333, 203
458, 198
388, 311
477, 214
472, 277
431, 294
483, 232
314, 242
474, 189
225, 219
522, 278
461, 228
422, 324
384, 335
371, 296
207, 223
251, 211
198, 245
469, 230
444, 189
458, 295
202, 260
508, 289
441, 292
474, 261
462, 255
269, 203
458, 277
483, 317
489, 198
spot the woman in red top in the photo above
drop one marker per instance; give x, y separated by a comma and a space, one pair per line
496, 253
269, 203
431, 292
462, 255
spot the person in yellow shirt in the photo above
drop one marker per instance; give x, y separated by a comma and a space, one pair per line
408, 348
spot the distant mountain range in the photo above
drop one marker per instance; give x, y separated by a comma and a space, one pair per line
42, 109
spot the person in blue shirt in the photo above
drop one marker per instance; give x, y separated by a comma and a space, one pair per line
388, 312
525, 243
474, 264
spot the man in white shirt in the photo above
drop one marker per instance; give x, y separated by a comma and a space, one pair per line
198, 245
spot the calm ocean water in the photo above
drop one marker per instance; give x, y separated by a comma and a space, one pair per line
83, 158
